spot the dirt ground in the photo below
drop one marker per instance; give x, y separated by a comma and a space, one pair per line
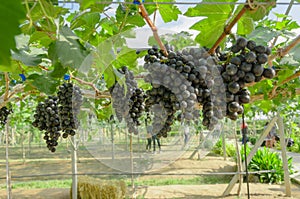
182, 165
258, 191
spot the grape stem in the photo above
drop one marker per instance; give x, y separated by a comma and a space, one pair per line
145, 15
98, 94
282, 52
228, 28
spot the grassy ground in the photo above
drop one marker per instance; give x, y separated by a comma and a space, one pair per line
45, 184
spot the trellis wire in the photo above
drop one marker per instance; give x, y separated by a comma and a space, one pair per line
142, 174
185, 3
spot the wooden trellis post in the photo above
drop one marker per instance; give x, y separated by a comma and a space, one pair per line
250, 156
287, 181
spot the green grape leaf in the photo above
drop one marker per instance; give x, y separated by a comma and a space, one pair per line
295, 52
261, 11
86, 20
27, 58
95, 5
13, 68
59, 71
213, 26
262, 35
210, 29
265, 105
41, 38
109, 76
11, 12
283, 74
131, 18
245, 26
43, 83
67, 49
126, 57
169, 12
210, 10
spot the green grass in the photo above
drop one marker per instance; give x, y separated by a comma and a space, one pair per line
183, 181
149, 182
40, 184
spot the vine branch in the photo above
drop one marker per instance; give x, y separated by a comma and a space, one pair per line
282, 52
262, 96
145, 15
228, 28
97, 94
290, 78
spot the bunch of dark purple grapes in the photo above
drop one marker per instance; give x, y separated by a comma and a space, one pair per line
47, 118
59, 113
4, 112
128, 100
244, 65
69, 100
183, 79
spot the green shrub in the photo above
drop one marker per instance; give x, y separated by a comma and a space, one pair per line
218, 149
264, 159
253, 140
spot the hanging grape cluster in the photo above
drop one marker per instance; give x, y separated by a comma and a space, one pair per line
192, 76
4, 112
46, 118
245, 65
58, 113
69, 100
182, 80
128, 101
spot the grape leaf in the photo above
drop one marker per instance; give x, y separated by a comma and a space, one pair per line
209, 10
245, 26
86, 20
95, 5
211, 27
11, 12
67, 49
131, 18
262, 35
126, 57
41, 38
44, 83
169, 12
261, 11
295, 52
28, 59
283, 74
59, 71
